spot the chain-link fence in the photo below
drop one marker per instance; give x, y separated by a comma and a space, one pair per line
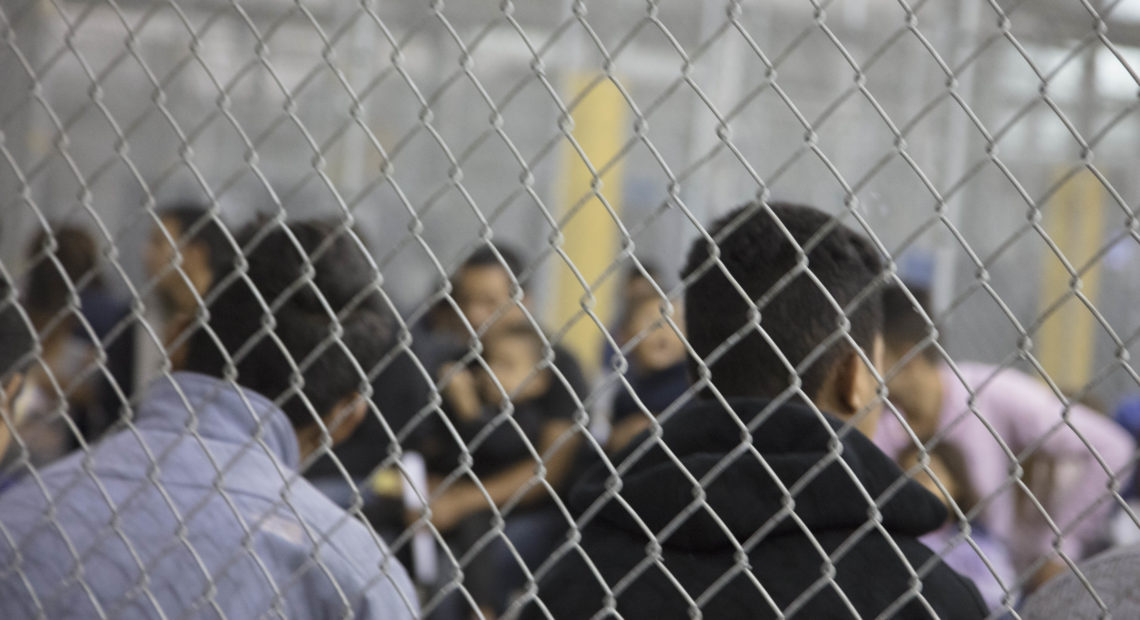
512, 188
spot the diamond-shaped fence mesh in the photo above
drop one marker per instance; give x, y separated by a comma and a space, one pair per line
388, 309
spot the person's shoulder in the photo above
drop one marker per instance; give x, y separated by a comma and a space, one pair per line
46, 511
39, 490
368, 566
348, 536
1003, 388
1112, 575
949, 593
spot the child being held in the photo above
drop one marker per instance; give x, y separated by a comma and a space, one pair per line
949, 468
504, 415
657, 374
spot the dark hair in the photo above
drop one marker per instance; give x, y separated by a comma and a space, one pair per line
48, 287
289, 280
965, 496
198, 227
757, 254
629, 305
485, 256
903, 326
16, 339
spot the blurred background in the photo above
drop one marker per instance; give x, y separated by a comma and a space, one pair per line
978, 142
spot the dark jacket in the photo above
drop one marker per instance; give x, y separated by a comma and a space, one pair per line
783, 562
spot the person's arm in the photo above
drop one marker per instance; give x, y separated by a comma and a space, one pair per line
623, 432
465, 498
1065, 474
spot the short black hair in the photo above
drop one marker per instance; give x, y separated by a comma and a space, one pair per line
17, 342
756, 253
199, 227
903, 326
48, 289
329, 261
485, 256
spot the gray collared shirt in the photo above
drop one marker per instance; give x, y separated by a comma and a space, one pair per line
195, 511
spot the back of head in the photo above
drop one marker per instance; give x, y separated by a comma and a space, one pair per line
329, 328
17, 344
903, 325
757, 257
65, 258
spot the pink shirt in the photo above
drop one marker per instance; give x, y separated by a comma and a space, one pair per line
1026, 415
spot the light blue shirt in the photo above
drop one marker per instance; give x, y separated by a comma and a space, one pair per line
195, 512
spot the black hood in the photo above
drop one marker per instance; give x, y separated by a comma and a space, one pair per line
744, 496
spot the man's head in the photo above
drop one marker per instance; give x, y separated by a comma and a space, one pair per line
794, 310
327, 272
660, 347
513, 353
482, 287
206, 254
916, 386
17, 344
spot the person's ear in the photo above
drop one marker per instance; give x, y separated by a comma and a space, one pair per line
846, 384
346, 415
856, 388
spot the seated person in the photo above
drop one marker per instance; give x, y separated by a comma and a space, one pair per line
484, 290
17, 344
639, 284
188, 252
197, 508
982, 411
763, 498
657, 375
76, 318
504, 415
485, 298
950, 469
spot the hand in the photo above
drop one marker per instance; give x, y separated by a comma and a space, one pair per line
452, 506
462, 393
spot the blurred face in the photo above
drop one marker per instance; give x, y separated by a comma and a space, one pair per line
512, 359
660, 347
481, 292
159, 252
916, 390
637, 287
160, 259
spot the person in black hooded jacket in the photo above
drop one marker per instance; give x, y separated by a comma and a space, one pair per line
763, 497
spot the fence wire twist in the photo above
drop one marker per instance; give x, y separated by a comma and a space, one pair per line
444, 158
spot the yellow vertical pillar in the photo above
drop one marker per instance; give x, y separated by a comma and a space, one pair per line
1075, 221
590, 234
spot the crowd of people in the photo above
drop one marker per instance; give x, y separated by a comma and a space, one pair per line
257, 435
